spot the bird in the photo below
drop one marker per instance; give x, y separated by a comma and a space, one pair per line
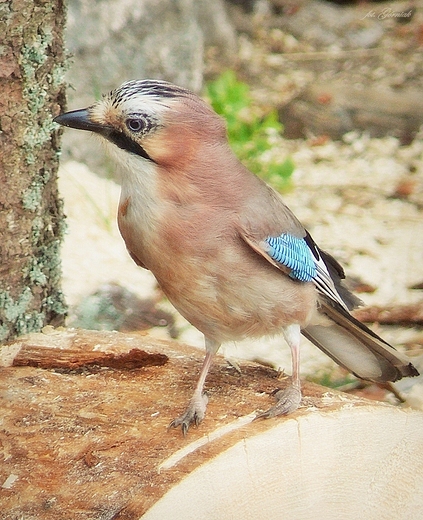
227, 252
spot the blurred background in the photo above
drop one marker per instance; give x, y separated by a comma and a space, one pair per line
322, 99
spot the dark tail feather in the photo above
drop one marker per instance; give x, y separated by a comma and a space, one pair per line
355, 347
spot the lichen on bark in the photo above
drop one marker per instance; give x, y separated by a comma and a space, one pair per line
32, 67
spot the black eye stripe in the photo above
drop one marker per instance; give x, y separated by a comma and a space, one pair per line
124, 142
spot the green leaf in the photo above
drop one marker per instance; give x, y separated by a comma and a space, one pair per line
251, 137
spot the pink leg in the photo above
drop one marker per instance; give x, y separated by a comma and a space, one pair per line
289, 399
197, 405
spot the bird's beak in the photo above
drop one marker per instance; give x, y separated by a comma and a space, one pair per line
79, 119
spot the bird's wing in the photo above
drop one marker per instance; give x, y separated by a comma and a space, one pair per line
301, 259
270, 228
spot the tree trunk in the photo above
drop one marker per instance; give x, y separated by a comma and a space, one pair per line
32, 65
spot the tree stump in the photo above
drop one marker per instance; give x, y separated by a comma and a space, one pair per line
91, 440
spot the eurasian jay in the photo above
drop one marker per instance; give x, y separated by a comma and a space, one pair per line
227, 252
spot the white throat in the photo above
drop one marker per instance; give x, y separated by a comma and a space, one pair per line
138, 182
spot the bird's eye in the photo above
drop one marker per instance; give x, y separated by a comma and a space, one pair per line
135, 125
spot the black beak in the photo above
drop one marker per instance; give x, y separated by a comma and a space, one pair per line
79, 119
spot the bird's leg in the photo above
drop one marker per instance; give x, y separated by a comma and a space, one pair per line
197, 405
289, 399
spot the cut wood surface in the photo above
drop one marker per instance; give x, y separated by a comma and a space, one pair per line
91, 442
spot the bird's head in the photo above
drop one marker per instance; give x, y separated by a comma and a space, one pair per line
152, 120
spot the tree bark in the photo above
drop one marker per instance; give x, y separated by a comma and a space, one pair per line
32, 66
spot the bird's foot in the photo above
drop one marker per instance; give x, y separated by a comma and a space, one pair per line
194, 413
287, 401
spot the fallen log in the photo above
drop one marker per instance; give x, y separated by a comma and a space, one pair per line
408, 314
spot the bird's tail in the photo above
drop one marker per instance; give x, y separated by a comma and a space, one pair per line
355, 347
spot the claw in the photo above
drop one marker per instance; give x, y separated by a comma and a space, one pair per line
194, 413
287, 401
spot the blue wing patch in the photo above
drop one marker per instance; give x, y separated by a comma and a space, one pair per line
294, 253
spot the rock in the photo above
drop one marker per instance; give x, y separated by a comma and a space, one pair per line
326, 24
